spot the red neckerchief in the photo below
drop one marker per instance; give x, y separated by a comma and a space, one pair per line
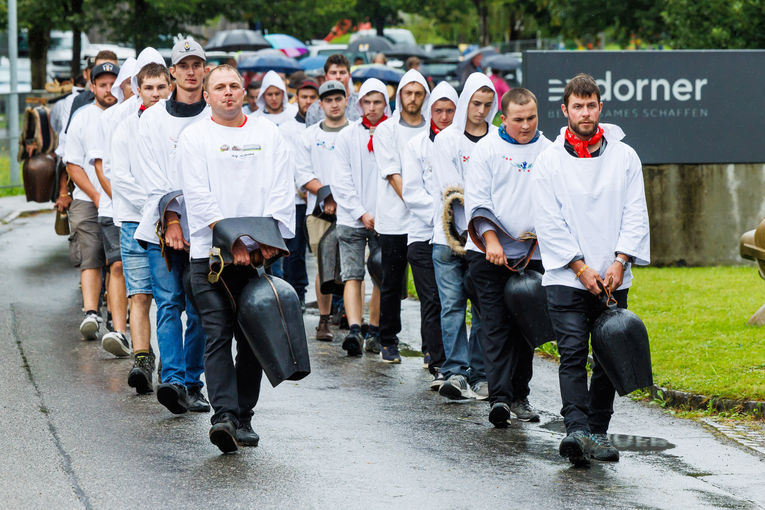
369, 125
142, 108
579, 145
434, 128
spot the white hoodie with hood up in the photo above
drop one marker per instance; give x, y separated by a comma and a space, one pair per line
391, 137
451, 154
272, 79
419, 189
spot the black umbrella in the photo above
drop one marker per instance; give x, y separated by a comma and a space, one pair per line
237, 40
373, 44
502, 63
404, 50
278, 63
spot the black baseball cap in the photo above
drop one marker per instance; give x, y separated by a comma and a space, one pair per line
105, 68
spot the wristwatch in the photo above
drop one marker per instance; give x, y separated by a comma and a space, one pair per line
625, 264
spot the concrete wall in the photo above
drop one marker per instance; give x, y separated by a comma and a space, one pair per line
698, 212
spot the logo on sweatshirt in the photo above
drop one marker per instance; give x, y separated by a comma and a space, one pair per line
522, 167
322, 144
223, 148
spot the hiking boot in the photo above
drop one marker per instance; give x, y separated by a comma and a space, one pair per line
372, 343
90, 325
523, 410
577, 446
141, 373
455, 388
390, 354
352, 342
499, 414
173, 396
115, 342
323, 333
196, 400
480, 390
223, 434
245, 436
602, 449
438, 381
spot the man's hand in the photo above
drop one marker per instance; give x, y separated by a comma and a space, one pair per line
368, 221
174, 237
268, 251
330, 206
63, 202
96, 200
589, 277
614, 276
494, 251
241, 253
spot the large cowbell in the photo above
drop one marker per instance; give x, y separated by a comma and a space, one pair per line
527, 304
269, 315
620, 345
328, 260
375, 268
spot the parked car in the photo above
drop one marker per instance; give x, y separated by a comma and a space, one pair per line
60, 53
395, 35
325, 50
123, 52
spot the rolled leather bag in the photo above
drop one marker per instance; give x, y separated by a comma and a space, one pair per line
374, 266
318, 209
39, 174
328, 260
620, 345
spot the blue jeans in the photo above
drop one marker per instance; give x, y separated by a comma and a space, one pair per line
294, 266
463, 353
182, 359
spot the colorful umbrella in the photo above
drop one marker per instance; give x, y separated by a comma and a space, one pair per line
289, 45
316, 62
279, 64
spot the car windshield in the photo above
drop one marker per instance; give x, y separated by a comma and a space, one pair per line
61, 42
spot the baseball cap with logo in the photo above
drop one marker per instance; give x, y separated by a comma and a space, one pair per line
331, 87
186, 48
308, 84
105, 68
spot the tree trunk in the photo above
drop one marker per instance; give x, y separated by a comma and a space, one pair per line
139, 40
39, 41
76, 37
483, 20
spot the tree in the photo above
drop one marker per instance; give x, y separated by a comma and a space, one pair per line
736, 24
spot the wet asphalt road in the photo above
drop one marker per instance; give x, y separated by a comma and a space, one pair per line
356, 433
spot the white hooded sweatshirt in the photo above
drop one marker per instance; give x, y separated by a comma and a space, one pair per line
391, 137
590, 208
417, 174
271, 79
147, 56
451, 154
127, 70
356, 177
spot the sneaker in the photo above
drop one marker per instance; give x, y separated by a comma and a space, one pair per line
499, 414
141, 373
173, 396
523, 410
196, 400
389, 354
437, 382
602, 449
372, 343
323, 333
116, 342
90, 325
480, 390
223, 434
352, 343
577, 446
426, 359
455, 388
245, 436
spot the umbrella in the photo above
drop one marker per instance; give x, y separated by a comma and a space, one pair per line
280, 64
289, 45
485, 51
502, 63
237, 40
373, 44
404, 50
383, 73
316, 62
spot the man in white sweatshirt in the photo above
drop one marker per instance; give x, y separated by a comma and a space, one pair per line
392, 218
249, 177
463, 370
354, 186
420, 194
499, 201
592, 221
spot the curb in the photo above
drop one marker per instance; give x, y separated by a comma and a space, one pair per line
8, 218
703, 402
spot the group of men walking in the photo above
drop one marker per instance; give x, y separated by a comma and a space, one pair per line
432, 184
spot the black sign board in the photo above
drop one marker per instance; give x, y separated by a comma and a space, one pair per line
674, 106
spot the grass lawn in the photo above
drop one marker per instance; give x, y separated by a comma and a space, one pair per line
5, 178
696, 321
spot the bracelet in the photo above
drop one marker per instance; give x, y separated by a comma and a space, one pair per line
171, 222
579, 273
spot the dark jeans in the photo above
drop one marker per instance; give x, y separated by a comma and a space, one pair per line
573, 313
393, 248
507, 355
420, 256
232, 385
294, 266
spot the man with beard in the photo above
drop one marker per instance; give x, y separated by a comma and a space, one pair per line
392, 216
592, 222
83, 212
419, 192
498, 191
167, 243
